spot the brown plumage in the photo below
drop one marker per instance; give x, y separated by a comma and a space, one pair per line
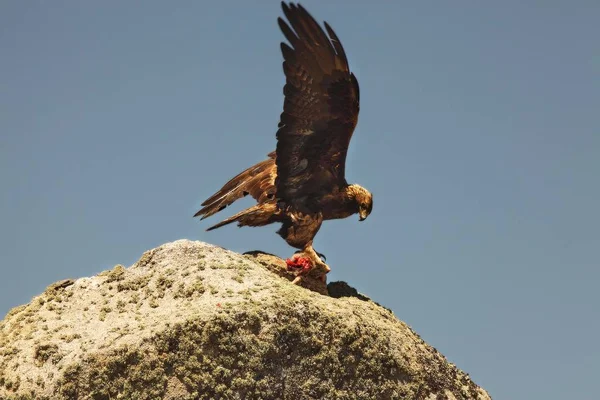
303, 183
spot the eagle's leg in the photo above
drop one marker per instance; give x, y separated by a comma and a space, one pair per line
308, 261
299, 232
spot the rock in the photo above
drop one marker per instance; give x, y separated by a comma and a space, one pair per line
193, 321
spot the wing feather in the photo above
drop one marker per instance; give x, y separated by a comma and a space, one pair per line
257, 181
320, 110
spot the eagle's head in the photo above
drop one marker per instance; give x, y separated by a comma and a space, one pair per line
362, 199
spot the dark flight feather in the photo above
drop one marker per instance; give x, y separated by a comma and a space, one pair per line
320, 111
258, 181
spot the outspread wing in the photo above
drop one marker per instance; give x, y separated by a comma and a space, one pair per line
257, 181
320, 110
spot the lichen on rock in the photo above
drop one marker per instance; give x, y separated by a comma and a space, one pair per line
194, 321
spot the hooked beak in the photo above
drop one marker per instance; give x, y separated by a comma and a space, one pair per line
362, 216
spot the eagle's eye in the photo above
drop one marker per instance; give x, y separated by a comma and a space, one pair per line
363, 211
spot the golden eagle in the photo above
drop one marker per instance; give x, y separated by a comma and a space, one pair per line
302, 182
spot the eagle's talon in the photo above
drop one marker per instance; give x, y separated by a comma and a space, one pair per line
321, 255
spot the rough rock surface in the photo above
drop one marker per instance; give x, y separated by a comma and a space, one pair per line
193, 321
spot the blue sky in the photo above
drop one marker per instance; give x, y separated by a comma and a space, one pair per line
478, 135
